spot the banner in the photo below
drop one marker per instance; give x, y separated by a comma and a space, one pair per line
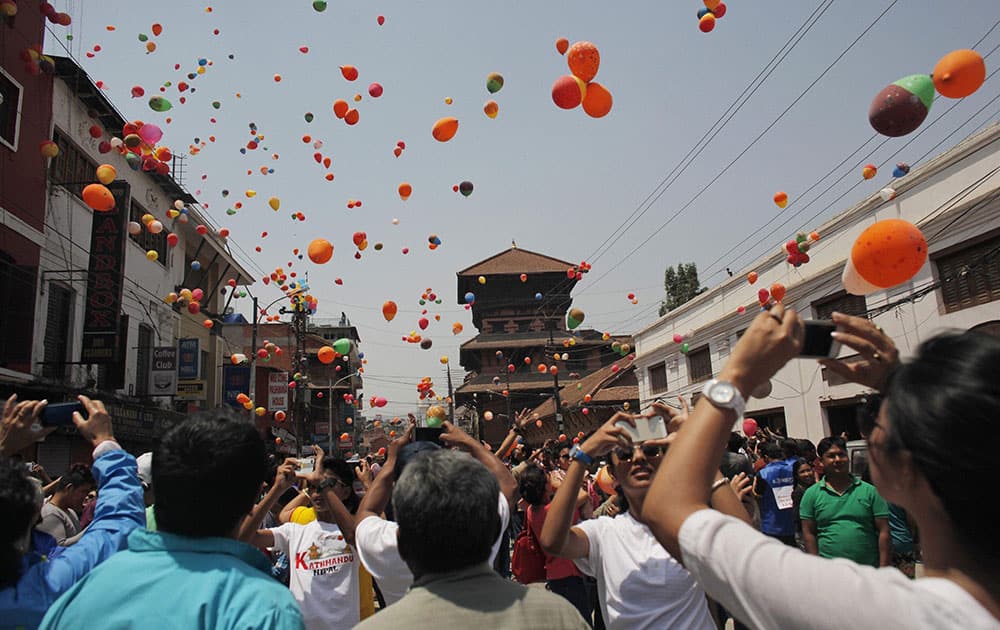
163, 372
277, 391
105, 276
189, 359
235, 381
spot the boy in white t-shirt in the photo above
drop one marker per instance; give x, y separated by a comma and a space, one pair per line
323, 566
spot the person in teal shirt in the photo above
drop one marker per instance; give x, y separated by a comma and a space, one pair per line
192, 572
843, 516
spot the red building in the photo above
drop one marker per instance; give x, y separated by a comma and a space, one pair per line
25, 122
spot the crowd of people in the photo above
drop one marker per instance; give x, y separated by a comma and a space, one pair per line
686, 530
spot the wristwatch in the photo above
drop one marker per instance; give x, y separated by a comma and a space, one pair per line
578, 454
724, 395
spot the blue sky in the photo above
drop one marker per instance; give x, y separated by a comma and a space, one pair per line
556, 181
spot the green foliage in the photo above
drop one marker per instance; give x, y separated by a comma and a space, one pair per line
680, 285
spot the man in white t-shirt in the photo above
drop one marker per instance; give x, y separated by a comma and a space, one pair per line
323, 568
639, 584
376, 538
60, 514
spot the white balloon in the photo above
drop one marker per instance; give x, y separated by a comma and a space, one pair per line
887, 193
854, 283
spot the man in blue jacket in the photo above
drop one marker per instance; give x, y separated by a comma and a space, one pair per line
773, 486
34, 572
192, 572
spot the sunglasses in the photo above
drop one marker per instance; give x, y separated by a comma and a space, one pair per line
649, 451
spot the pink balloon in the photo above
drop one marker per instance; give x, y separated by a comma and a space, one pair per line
678, 338
749, 427
150, 133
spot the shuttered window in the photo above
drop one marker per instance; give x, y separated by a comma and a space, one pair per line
699, 365
842, 303
57, 329
143, 357
971, 276
658, 378
71, 169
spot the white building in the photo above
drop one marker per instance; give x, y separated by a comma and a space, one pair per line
954, 199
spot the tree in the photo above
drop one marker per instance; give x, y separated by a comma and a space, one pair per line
680, 286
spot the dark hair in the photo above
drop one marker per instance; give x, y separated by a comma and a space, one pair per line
806, 450
438, 495
795, 468
344, 471
735, 442
829, 442
771, 450
942, 408
77, 475
191, 460
19, 503
789, 447
533, 485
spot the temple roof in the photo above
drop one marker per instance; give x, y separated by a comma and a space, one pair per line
516, 261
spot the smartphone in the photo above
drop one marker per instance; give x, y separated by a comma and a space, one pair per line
428, 434
306, 465
60, 414
645, 429
819, 344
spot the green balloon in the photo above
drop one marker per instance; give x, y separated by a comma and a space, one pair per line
309, 117
160, 104
433, 422
685, 348
342, 346
143, 37
494, 82
216, 104
921, 85
319, 5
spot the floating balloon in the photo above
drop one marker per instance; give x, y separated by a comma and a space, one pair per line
326, 355
349, 72
445, 129
889, 252
470, 297
405, 190
491, 109
749, 427
678, 338
901, 169
465, 188
456, 328
436, 415
752, 277
597, 100
342, 346
902, 106
380, 19
48, 149
160, 104
959, 73
375, 90
320, 251
98, 198
389, 310
781, 199
106, 173
494, 82
887, 194
869, 171
340, 108
574, 318
568, 91
275, 203
583, 60
562, 45
778, 291
707, 23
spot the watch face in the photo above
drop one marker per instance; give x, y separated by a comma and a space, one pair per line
722, 393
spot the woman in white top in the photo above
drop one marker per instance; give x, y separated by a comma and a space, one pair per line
639, 584
931, 451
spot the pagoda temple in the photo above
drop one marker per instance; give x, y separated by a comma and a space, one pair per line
519, 301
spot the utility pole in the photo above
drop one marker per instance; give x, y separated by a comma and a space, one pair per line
253, 355
329, 415
451, 399
301, 363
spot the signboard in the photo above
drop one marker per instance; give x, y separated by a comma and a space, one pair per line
189, 359
277, 391
191, 390
321, 428
235, 381
164, 371
105, 276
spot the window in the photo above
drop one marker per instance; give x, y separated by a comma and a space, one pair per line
658, 378
146, 239
971, 276
10, 110
143, 356
71, 169
57, 331
699, 365
842, 303
17, 312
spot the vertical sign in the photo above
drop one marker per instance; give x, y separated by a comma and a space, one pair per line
105, 278
164, 371
236, 381
189, 359
277, 391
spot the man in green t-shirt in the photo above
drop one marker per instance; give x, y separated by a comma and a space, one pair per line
842, 516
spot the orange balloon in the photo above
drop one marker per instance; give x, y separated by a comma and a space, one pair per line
340, 108
959, 73
562, 45
445, 129
889, 252
99, 198
584, 60
389, 309
568, 91
597, 100
350, 72
752, 277
777, 291
405, 190
326, 355
320, 251
352, 117
605, 481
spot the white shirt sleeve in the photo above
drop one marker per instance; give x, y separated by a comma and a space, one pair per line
377, 546
592, 529
283, 536
767, 584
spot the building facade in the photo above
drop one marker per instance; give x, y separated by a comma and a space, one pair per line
954, 199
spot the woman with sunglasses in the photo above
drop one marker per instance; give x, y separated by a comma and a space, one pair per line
639, 584
929, 451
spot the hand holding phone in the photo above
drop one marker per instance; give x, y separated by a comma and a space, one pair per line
60, 414
646, 428
428, 434
306, 466
819, 342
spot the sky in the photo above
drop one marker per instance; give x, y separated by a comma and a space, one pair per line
555, 181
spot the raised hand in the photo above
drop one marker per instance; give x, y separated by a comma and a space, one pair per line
609, 436
19, 427
97, 427
879, 355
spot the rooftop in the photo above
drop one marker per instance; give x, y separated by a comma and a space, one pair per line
516, 261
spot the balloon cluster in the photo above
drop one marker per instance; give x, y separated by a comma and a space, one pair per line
360, 240
189, 298
712, 11
399, 148
433, 242
579, 88
465, 188
901, 107
494, 82
436, 415
34, 61
797, 249
269, 350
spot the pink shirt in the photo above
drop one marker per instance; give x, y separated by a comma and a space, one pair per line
555, 568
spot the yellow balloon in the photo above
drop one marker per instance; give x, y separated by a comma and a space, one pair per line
275, 203
106, 173
444, 360
152, 255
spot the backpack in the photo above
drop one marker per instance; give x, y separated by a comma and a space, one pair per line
527, 562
